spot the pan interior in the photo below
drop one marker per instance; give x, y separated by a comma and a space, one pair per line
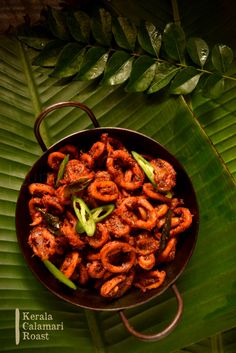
88, 298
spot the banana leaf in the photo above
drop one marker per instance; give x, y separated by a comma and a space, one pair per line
201, 135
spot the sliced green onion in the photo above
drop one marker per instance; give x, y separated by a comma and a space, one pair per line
84, 216
99, 213
146, 167
59, 275
62, 169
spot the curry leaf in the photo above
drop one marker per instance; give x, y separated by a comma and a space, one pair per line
69, 61
125, 32
49, 55
79, 26
57, 23
94, 64
198, 50
174, 41
185, 81
142, 74
163, 75
101, 27
149, 38
118, 68
222, 57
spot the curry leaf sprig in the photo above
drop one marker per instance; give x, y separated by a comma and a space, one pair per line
83, 47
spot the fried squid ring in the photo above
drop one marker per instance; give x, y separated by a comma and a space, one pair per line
42, 242
147, 262
74, 170
68, 266
69, 231
164, 174
35, 215
53, 203
150, 280
145, 244
71, 150
117, 286
128, 212
112, 143
97, 150
55, 159
121, 254
87, 160
168, 254
185, 220
103, 190
117, 227
118, 163
41, 189
100, 237
96, 269
152, 193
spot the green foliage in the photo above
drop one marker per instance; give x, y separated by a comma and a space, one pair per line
85, 47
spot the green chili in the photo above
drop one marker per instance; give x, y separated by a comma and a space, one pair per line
148, 170
62, 169
146, 167
84, 216
58, 274
98, 214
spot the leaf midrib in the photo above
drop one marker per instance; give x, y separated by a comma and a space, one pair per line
33, 91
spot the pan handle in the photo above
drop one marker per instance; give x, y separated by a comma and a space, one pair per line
59, 105
166, 331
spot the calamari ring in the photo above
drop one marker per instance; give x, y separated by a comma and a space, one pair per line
87, 160
164, 174
118, 163
52, 202
145, 244
103, 190
74, 170
112, 250
97, 150
41, 189
55, 159
185, 220
96, 269
117, 226
147, 262
42, 242
151, 192
127, 212
51, 179
35, 215
69, 264
150, 280
100, 237
117, 286
69, 231
168, 254
71, 150
112, 143
83, 274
